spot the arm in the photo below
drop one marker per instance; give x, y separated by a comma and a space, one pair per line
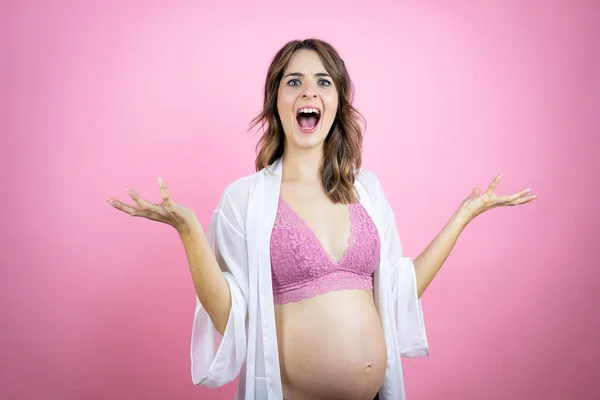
431, 259
212, 287
210, 284
429, 262
219, 267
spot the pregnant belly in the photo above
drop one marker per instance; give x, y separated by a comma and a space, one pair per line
331, 346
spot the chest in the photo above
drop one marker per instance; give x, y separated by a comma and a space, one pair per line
330, 223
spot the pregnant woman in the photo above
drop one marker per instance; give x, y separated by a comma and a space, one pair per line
301, 269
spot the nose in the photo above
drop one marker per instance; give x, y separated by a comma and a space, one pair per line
309, 92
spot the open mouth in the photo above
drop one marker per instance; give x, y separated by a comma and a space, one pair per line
308, 119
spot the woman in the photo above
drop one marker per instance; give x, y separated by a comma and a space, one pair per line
301, 270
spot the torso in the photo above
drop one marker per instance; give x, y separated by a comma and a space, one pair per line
331, 346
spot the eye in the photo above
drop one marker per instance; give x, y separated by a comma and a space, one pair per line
293, 82
324, 82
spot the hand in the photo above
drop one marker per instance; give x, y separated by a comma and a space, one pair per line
477, 202
168, 212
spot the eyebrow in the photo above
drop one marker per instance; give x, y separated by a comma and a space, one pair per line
318, 74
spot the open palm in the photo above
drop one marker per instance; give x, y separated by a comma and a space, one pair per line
168, 212
477, 202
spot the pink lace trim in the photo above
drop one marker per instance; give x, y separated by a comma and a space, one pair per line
337, 280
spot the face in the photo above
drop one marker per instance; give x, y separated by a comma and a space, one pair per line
307, 101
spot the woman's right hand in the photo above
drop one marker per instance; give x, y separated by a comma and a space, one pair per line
180, 217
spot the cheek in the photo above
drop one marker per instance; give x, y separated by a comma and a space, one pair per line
285, 101
285, 114
331, 102
285, 106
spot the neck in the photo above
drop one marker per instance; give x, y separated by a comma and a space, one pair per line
302, 164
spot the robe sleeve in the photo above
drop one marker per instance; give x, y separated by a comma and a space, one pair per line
226, 236
407, 306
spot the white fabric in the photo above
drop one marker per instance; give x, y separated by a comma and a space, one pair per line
239, 234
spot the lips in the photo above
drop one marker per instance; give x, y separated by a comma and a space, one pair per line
308, 118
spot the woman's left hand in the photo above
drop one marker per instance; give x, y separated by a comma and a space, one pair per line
477, 202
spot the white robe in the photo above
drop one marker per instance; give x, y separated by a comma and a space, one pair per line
239, 234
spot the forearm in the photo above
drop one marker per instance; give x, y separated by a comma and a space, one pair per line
429, 262
210, 284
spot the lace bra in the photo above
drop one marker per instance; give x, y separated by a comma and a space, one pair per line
301, 268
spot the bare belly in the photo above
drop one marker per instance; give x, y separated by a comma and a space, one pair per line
331, 347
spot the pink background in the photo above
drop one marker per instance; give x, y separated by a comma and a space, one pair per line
103, 96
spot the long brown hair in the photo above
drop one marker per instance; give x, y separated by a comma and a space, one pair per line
343, 144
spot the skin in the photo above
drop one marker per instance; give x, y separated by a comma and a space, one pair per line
306, 83
331, 346
210, 284
429, 262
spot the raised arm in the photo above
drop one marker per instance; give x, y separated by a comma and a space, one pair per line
209, 282
429, 262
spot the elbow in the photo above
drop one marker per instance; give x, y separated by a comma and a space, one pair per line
221, 323
221, 329
421, 287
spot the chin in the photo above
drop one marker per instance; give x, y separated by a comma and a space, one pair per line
309, 140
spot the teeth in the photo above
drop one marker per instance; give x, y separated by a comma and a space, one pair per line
308, 110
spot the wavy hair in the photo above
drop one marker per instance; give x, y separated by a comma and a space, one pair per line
343, 144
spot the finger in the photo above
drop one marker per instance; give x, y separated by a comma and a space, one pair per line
523, 200
123, 207
136, 212
495, 183
145, 205
164, 195
513, 197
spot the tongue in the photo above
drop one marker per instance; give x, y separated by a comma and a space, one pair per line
307, 122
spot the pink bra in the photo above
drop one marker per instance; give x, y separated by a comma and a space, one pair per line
301, 268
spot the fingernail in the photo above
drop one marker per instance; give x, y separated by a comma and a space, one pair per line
109, 200
527, 190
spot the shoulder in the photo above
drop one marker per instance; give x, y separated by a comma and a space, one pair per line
237, 192
234, 201
368, 180
371, 186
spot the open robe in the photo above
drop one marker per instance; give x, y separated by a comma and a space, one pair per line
239, 234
